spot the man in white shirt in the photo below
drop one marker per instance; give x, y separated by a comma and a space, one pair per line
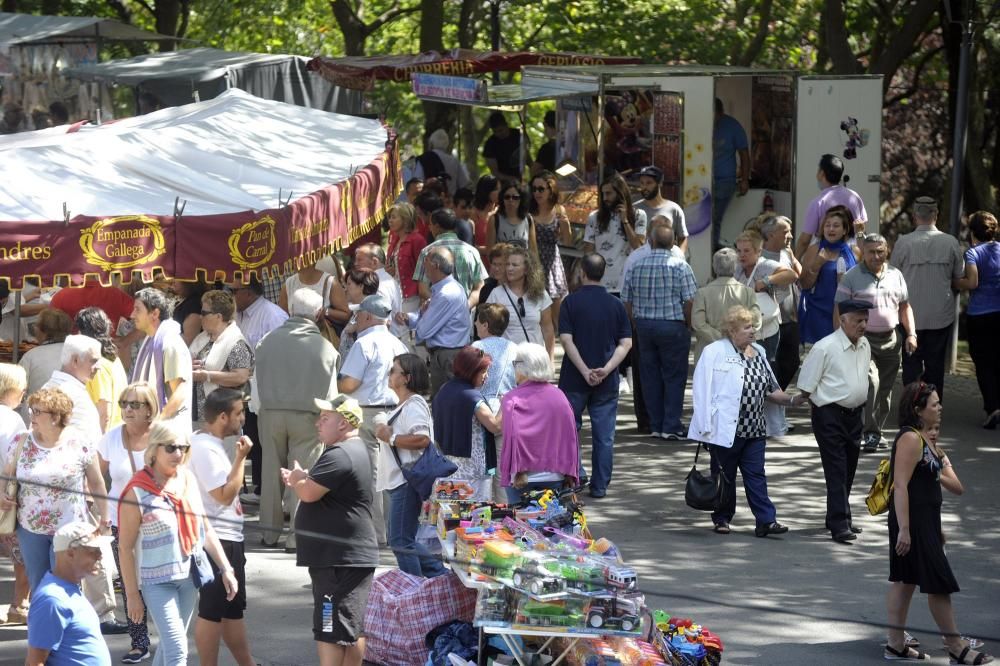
834, 376
372, 256
79, 358
365, 377
163, 359
653, 203
219, 481
256, 316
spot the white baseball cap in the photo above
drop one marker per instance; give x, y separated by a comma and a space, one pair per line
78, 534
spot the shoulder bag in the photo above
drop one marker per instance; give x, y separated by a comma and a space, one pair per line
8, 518
520, 321
326, 329
880, 494
703, 492
430, 466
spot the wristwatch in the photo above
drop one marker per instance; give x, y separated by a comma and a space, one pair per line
392, 439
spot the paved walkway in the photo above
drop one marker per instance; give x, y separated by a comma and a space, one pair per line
796, 599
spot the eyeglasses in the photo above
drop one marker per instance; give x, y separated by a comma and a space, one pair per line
131, 404
511, 197
205, 313
174, 448
39, 411
540, 189
520, 306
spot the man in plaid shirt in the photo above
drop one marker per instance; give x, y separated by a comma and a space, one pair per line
658, 294
469, 269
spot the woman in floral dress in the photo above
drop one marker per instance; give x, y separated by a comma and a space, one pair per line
551, 230
51, 469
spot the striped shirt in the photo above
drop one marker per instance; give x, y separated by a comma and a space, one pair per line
160, 559
469, 269
659, 286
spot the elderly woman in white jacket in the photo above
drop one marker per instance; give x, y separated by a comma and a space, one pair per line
731, 383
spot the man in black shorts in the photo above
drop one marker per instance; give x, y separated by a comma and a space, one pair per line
337, 535
220, 481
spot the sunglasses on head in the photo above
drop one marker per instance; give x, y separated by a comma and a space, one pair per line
520, 306
131, 404
174, 448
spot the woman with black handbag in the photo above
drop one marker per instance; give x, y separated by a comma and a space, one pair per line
402, 441
731, 383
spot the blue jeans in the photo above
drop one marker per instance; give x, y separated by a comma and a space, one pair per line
412, 557
748, 456
722, 193
171, 605
39, 558
664, 347
603, 409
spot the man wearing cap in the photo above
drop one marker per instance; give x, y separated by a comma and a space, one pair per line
875, 281
294, 364
653, 203
336, 496
443, 325
365, 378
834, 376
929, 260
62, 625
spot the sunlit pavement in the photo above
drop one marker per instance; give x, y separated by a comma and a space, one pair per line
799, 598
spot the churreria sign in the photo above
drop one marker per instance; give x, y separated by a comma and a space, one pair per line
126, 241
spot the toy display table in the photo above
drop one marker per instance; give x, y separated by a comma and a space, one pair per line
507, 635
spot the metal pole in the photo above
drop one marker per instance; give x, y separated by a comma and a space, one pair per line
495, 33
15, 353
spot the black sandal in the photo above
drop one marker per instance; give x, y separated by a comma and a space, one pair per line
721, 528
981, 657
906, 654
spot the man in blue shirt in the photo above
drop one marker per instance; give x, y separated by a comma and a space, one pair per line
596, 336
728, 140
658, 294
62, 625
443, 324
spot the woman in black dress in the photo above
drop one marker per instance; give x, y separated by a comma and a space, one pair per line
916, 546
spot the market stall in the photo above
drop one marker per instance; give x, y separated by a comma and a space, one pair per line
546, 586
180, 77
226, 188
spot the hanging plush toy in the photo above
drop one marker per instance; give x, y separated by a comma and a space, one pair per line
856, 137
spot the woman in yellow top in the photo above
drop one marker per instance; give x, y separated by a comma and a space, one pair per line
110, 380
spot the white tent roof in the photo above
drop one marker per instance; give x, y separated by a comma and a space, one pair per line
33, 29
198, 64
232, 153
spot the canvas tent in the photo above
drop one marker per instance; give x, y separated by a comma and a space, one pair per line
229, 187
176, 76
34, 49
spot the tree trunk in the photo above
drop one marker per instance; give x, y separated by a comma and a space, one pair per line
51, 7
836, 34
351, 27
9, 6
436, 114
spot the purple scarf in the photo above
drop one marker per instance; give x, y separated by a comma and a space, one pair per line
151, 353
539, 432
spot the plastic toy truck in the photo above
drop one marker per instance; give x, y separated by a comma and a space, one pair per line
548, 614
454, 490
613, 612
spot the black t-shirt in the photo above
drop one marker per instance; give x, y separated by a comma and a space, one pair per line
505, 152
547, 155
344, 513
189, 306
465, 231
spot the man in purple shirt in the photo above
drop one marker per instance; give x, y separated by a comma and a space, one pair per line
834, 192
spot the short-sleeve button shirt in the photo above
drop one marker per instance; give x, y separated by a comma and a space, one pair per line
886, 292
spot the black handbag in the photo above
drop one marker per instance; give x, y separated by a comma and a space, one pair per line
702, 492
430, 466
202, 572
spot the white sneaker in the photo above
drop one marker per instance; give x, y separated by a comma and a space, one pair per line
250, 498
655, 435
623, 386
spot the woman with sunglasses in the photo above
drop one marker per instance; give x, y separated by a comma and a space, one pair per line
512, 223
526, 300
162, 526
220, 354
551, 230
121, 454
52, 464
13, 386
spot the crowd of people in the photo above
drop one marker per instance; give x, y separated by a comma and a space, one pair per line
137, 411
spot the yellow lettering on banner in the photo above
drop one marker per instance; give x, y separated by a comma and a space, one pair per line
116, 243
313, 229
20, 252
253, 244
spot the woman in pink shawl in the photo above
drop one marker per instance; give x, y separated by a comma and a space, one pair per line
540, 448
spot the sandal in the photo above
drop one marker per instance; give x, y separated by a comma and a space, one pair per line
980, 658
721, 528
909, 640
906, 654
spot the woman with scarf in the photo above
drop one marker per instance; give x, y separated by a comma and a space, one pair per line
462, 418
823, 265
121, 454
540, 448
161, 519
220, 355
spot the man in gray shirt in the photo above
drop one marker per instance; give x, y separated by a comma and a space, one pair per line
929, 260
653, 204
